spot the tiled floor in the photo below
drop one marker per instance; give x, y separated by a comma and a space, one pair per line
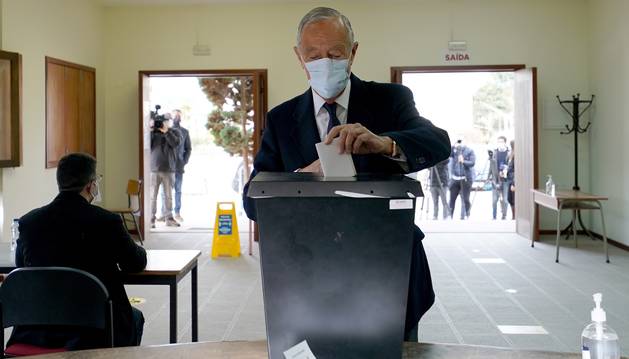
484, 283
513, 289
230, 295
528, 289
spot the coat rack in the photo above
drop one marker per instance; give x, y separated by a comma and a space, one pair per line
576, 128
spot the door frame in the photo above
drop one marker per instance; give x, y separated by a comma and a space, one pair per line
260, 105
396, 77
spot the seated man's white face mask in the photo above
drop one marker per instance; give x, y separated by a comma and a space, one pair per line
328, 77
95, 192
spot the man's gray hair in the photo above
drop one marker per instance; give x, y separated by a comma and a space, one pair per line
326, 13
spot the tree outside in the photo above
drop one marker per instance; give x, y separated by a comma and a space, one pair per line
493, 106
231, 122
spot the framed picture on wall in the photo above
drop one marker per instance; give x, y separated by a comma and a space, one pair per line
10, 109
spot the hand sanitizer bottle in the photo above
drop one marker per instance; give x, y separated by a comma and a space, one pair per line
599, 341
15, 233
550, 186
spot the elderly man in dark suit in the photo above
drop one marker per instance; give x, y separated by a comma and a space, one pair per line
377, 123
70, 232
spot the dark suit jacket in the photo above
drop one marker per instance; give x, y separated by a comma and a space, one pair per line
288, 143
184, 150
70, 232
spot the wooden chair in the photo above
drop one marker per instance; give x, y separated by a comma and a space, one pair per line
53, 296
134, 194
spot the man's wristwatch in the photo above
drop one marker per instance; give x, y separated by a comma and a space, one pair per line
394, 152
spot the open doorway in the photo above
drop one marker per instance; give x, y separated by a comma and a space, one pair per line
481, 108
222, 113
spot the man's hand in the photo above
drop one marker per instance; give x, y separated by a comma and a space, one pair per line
357, 139
461, 159
163, 129
314, 167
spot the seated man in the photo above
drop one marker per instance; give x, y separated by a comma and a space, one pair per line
70, 232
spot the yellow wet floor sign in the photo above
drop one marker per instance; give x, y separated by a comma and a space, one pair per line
136, 300
226, 241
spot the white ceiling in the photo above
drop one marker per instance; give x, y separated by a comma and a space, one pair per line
190, 2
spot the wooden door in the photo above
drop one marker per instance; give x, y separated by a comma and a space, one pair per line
87, 109
55, 129
260, 106
10, 109
71, 110
145, 154
5, 109
525, 112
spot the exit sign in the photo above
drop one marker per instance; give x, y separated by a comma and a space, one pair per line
457, 56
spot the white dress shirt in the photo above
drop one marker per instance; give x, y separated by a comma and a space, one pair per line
321, 114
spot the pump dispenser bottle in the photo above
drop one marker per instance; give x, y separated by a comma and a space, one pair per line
550, 186
598, 340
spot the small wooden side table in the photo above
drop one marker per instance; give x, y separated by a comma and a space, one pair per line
572, 200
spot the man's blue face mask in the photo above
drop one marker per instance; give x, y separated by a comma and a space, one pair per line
328, 77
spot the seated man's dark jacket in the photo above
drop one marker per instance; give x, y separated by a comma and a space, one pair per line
290, 135
70, 232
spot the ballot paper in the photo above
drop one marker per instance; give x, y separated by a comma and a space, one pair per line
355, 194
299, 351
333, 163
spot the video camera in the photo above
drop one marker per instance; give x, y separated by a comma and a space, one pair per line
456, 149
158, 120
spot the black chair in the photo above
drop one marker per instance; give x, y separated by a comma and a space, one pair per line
53, 296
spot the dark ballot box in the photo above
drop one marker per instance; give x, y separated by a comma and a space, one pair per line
335, 257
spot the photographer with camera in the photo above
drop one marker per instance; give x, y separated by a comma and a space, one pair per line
462, 161
510, 183
164, 143
184, 150
438, 179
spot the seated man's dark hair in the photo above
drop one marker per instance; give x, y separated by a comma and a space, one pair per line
502, 138
75, 171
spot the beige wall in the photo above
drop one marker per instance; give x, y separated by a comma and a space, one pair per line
609, 79
541, 33
1, 211
1, 199
120, 41
1, 6
67, 29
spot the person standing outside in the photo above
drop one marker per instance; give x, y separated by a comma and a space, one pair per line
439, 179
510, 183
499, 164
182, 156
462, 161
164, 143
